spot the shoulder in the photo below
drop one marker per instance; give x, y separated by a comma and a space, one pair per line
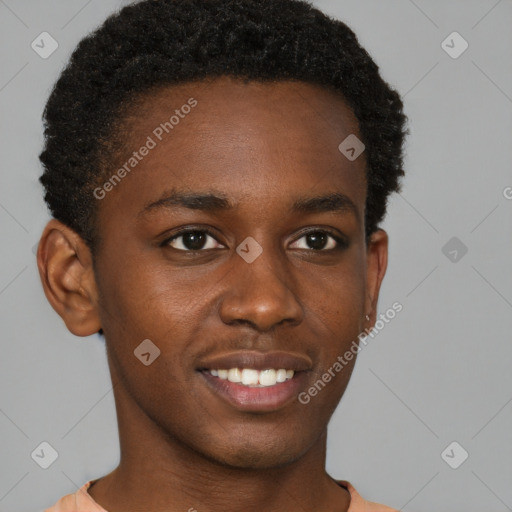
65, 504
359, 504
79, 501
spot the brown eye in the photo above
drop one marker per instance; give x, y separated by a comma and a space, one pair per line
321, 240
192, 240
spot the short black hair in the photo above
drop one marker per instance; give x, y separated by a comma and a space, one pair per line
156, 43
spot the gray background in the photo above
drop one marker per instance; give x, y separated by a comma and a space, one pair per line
439, 372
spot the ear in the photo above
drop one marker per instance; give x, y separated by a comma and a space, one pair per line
65, 266
376, 264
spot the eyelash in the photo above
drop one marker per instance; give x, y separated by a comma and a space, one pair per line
341, 242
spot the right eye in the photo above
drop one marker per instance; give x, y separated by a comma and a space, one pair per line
193, 240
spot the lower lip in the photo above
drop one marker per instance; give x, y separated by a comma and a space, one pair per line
256, 399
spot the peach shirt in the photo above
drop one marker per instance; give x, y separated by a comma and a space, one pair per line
82, 501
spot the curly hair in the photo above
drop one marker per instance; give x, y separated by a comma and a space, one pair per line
156, 43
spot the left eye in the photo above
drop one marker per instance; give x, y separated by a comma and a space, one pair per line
319, 240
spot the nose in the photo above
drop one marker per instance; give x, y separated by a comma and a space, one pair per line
260, 295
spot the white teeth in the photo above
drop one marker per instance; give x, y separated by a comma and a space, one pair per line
281, 375
254, 378
249, 377
268, 377
234, 375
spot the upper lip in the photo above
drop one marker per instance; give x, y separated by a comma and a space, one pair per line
257, 361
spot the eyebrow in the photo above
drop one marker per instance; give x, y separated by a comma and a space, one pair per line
212, 202
207, 202
335, 202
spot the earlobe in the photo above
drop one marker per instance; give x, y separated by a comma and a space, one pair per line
376, 265
65, 266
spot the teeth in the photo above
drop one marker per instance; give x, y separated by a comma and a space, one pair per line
254, 378
234, 375
249, 377
281, 375
268, 378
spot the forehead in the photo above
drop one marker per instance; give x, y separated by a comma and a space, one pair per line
248, 139
288, 108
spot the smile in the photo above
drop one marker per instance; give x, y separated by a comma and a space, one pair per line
252, 381
254, 378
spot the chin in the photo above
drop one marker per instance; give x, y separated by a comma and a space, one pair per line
253, 455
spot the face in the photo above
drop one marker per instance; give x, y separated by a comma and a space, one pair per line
236, 242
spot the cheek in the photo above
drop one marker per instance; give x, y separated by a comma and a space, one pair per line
336, 298
143, 302
144, 306
335, 308
137, 299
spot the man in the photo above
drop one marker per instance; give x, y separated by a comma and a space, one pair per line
217, 172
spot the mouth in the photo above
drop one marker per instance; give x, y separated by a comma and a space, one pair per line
254, 378
255, 381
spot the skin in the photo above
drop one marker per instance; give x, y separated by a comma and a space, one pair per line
262, 146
